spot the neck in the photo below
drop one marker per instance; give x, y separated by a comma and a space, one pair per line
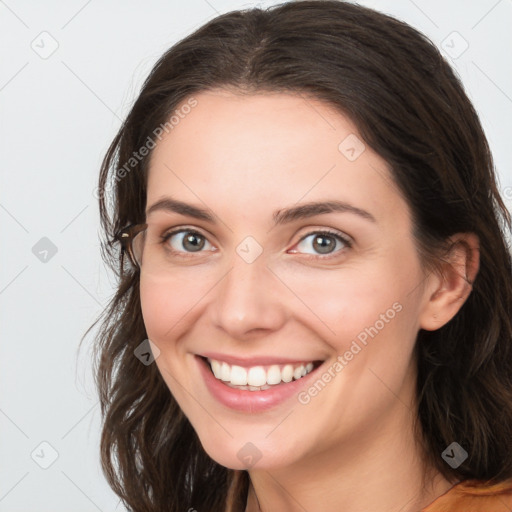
381, 470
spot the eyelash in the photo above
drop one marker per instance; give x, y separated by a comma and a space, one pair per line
344, 240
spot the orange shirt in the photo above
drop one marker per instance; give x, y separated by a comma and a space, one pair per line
474, 496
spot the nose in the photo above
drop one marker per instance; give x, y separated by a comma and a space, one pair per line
249, 300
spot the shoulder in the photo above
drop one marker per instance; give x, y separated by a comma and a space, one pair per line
474, 496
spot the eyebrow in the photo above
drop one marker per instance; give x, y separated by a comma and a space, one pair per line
282, 216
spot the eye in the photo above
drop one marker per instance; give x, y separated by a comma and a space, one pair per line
185, 240
324, 242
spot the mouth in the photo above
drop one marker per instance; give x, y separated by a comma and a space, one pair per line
259, 377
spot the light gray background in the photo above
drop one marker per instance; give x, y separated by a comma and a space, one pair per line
59, 113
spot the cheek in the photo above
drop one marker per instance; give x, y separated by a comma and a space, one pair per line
164, 303
152, 301
342, 302
366, 315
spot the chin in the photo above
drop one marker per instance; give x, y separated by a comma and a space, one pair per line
246, 455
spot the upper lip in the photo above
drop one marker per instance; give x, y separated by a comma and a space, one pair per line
256, 360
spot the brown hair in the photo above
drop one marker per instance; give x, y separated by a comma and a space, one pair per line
411, 109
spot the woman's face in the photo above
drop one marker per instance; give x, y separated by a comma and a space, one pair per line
262, 289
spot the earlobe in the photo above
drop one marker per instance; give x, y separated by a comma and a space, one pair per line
454, 282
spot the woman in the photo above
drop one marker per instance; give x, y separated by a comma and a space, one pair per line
315, 314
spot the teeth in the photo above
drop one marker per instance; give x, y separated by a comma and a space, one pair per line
216, 368
239, 376
225, 372
273, 375
287, 374
258, 378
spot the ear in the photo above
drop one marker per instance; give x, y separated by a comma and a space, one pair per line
449, 288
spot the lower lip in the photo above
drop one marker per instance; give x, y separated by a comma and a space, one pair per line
250, 401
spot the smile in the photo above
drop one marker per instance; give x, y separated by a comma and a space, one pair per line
252, 399
258, 378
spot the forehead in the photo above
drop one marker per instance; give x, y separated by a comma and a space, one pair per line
263, 151
254, 129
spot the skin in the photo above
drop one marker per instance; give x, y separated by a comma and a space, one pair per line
244, 157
